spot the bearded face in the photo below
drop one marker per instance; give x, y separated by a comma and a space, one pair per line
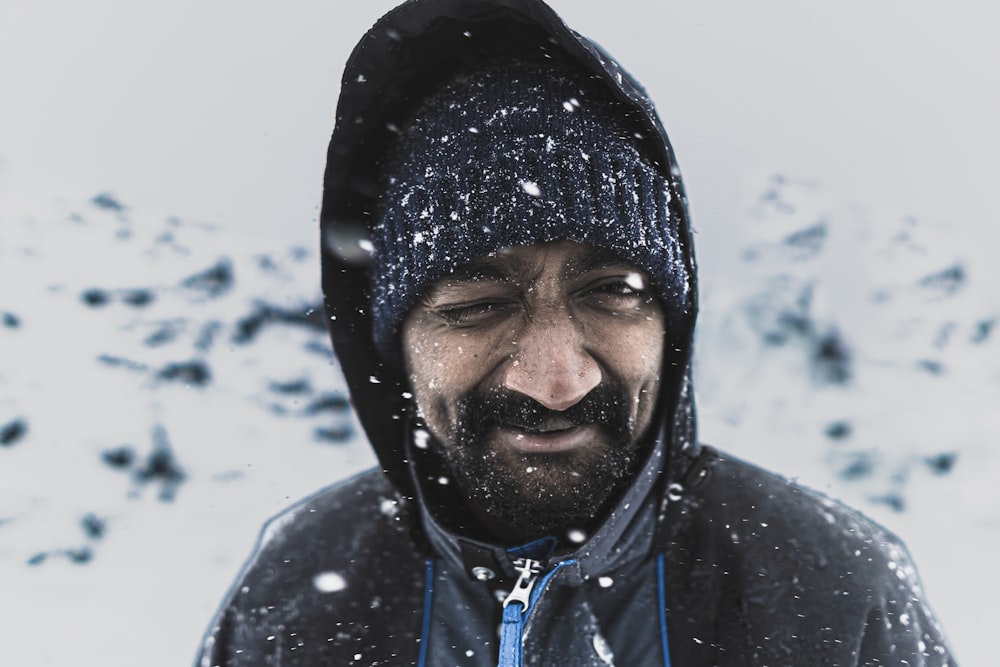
536, 371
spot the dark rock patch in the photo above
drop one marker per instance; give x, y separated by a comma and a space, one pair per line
80, 556
292, 387
263, 314
931, 366
944, 335
860, 467
161, 466
278, 410
336, 435
77, 555
788, 325
832, 358
945, 283
95, 298
265, 263
93, 526
107, 202
807, 242
942, 464
839, 430
781, 314
194, 373
894, 500
983, 331
138, 298
334, 402
119, 457
165, 333
321, 348
772, 196
214, 281
122, 362
13, 432
206, 337
11, 321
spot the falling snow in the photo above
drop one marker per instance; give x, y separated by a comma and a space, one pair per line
329, 582
531, 188
235, 436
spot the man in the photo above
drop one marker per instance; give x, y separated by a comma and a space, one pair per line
510, 283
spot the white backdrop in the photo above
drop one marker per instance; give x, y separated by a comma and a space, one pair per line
219, 112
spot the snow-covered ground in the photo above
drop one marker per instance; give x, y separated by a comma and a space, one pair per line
165, 385
163, 388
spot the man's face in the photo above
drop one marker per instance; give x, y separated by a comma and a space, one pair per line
537, 371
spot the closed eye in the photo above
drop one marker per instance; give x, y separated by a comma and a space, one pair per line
472, 313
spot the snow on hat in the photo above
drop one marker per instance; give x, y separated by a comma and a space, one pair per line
516, 153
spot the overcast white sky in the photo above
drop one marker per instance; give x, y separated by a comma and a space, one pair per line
221, 110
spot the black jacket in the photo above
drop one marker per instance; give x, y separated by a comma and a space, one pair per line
703, 561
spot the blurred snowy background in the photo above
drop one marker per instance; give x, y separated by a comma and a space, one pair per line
165, 382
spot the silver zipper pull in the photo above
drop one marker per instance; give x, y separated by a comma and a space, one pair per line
529, 570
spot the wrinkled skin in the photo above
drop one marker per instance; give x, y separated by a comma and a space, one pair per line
537, 371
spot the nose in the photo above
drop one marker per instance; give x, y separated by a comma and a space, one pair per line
551, 364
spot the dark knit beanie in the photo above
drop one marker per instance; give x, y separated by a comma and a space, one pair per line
512, 154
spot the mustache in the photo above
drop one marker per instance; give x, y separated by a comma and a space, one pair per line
481, 411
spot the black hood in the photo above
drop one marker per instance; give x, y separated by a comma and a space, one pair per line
410, 50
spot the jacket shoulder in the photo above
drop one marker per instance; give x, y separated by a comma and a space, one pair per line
794, 570
815, 542
778, 508
343, 516
334, 576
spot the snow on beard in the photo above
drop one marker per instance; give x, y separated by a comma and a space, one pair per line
542, 494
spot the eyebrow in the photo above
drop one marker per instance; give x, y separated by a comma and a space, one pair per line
494, 269
600, 258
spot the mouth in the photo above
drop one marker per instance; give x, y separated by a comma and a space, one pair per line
549, 439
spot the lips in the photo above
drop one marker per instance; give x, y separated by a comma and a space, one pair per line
549, 439
547, 425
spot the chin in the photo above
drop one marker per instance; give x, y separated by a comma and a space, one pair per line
543, 494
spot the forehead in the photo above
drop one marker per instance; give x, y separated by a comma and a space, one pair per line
558, 259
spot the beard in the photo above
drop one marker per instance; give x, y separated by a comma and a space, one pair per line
532, 495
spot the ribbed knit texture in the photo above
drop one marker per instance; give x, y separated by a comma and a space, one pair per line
514, 154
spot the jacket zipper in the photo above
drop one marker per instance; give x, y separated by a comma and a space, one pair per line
528, 570
515, 611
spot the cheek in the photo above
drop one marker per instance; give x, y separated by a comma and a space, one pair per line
634, 355
441, 356
443, 367
646, 369
438, 362
425, 367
